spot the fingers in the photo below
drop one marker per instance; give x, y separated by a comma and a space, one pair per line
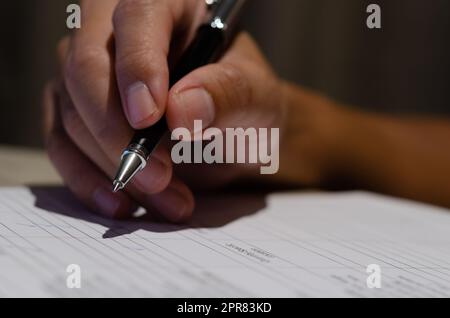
175, 203
90, 80
232, 93
143, 34
93, 188
158, 181
156, 176
92, 123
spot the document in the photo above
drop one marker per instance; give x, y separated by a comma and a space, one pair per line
277, 245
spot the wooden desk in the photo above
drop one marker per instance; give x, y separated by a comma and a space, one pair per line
21, 166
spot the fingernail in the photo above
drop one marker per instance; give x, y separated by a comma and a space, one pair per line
106, 202
150, 179
171, 203
196, 104
140, 103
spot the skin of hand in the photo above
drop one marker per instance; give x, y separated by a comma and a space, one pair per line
114, 78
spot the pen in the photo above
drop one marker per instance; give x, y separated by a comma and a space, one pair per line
208, 45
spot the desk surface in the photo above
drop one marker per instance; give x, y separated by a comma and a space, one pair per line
20, 166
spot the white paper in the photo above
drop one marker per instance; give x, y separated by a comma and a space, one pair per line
281, 245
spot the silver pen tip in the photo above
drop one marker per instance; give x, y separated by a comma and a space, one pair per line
117, 186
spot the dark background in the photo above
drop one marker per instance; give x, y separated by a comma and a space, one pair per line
321, 44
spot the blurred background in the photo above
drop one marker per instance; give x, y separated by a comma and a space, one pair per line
321, 44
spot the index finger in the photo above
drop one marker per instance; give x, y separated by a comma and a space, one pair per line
143, 35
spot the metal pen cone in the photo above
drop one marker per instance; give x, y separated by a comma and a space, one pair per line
117, 186
130, 165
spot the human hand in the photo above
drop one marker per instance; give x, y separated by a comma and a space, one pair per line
116, 78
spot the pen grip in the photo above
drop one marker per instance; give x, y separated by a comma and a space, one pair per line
207, 47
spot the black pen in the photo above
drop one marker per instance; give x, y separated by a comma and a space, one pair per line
207, 47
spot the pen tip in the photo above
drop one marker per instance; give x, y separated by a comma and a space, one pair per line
117, 186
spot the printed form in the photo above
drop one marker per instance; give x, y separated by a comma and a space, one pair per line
277, 245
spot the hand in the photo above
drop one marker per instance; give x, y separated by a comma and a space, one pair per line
115, 78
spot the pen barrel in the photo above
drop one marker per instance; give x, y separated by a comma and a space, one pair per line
228, 12
207, 47
146, 140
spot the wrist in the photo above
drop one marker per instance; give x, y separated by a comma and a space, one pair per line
311, 141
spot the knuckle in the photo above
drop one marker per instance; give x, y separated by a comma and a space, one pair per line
134, 58
82, 62
128, 8
141, 60
141, 63
234, 85
123, 9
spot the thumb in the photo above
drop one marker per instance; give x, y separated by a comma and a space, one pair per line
240, 91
